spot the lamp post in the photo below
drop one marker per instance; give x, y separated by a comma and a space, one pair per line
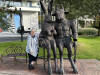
22, 28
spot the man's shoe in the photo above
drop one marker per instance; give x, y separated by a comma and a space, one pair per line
30, 67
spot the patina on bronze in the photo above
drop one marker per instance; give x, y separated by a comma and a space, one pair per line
47, 34
66, 29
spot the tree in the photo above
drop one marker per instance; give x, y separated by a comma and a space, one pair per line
4, 24
81, 8
98, 24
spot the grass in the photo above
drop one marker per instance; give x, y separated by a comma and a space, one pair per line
4, 45
88, 47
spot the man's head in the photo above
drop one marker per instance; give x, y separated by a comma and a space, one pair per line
59, 12
32, 32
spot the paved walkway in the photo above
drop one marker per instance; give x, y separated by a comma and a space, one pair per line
85, 67
8, 36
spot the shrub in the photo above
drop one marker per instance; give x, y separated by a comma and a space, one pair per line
87, 31
82, 23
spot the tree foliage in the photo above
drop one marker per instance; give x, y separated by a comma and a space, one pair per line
4, 24
79, 8
82, 8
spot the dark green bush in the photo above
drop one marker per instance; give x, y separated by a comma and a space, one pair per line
87, 31
82, 23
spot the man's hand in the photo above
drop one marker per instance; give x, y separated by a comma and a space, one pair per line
75, 44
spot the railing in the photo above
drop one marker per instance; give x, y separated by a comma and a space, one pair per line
13, 51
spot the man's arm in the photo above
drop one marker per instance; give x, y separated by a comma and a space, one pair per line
75, 35
74, 30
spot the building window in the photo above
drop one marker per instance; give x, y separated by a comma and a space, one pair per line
29, 3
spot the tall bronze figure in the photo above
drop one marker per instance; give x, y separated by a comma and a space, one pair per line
47, 33
59, 36
64, 34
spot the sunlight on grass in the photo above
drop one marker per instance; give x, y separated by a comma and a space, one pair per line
88, 48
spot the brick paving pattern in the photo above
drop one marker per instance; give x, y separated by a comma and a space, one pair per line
19, 67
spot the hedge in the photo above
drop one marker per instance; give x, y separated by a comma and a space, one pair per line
87, 31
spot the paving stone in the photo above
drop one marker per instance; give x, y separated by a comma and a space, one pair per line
85, 67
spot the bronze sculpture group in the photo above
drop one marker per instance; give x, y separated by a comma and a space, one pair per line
58, 34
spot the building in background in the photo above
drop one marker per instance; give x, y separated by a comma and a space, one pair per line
86, 21
30, 13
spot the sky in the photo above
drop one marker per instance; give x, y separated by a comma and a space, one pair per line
17, 21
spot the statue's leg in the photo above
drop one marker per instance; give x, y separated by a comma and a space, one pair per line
48, 57
60, 47
69, 48
44, 58
54, 53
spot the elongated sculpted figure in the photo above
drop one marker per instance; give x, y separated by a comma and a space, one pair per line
48, 33
66, 31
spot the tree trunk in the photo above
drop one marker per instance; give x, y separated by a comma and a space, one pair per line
99, 29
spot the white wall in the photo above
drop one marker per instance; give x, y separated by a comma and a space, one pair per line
30, 20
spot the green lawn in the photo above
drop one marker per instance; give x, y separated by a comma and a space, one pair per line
88, 47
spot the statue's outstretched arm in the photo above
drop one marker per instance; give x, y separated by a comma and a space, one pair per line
74, 30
